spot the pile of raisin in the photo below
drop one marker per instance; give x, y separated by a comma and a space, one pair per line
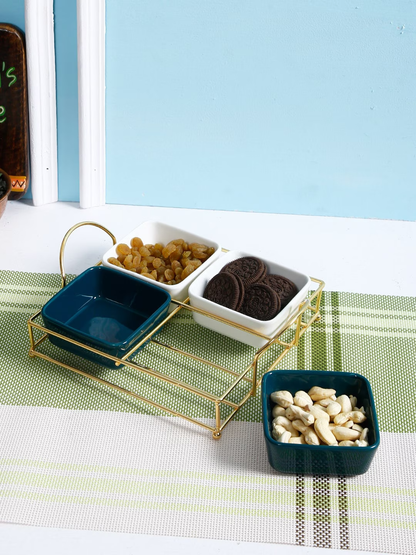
168, 264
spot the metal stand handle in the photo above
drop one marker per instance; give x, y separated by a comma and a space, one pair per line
65, 239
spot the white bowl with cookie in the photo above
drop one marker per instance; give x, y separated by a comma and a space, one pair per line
249, 302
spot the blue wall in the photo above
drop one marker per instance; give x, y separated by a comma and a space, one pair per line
65, 13
13, 11
288, 106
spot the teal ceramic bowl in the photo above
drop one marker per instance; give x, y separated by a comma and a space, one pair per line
319, 459
107, 310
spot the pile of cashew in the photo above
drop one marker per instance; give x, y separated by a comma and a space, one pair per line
318, 417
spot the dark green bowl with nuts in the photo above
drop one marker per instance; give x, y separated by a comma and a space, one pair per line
328, 459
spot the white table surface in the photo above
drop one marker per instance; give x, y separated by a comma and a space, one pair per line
362, 256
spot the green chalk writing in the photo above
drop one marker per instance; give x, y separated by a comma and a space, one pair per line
7, 79
9, 74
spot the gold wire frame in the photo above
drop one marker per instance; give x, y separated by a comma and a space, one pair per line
306, 314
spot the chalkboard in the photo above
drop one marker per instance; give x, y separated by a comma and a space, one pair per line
14, 142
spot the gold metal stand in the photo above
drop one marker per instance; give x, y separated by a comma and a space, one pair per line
301, 320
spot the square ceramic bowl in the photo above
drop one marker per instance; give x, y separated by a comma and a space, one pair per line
267, 327
319, 459
156, 232
107, 310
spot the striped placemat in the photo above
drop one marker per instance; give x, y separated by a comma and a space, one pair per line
75, 454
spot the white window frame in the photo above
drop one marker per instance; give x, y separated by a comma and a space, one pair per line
91, 101
40, 61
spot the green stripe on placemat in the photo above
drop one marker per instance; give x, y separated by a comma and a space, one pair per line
373, 335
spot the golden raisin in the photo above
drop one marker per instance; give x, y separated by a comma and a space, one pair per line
187, 271
128, 262
168, 250
136, 242
176, 254
144, 251
145, 274
169, 274
197, 246
123, 249
115, 262
156, 263
136, 261
200, 254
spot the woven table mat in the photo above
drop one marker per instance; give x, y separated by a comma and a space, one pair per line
75, 454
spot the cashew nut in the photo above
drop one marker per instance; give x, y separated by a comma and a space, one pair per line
302, 400
311, 437
282, 398
360, 443
283, 438
324, 433
300, 426
287, 424
308, 434
345, 403
300, 440
278, 429
319, 412
325, 402
294, 413
333, 409
353, 401
278, 411
342, 433
355, 415
317, 393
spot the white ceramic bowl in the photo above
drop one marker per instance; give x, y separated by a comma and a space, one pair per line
267, 327
157, 232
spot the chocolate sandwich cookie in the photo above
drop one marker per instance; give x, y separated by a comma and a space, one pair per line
284, 288
260, 302
225, 289
249, 268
